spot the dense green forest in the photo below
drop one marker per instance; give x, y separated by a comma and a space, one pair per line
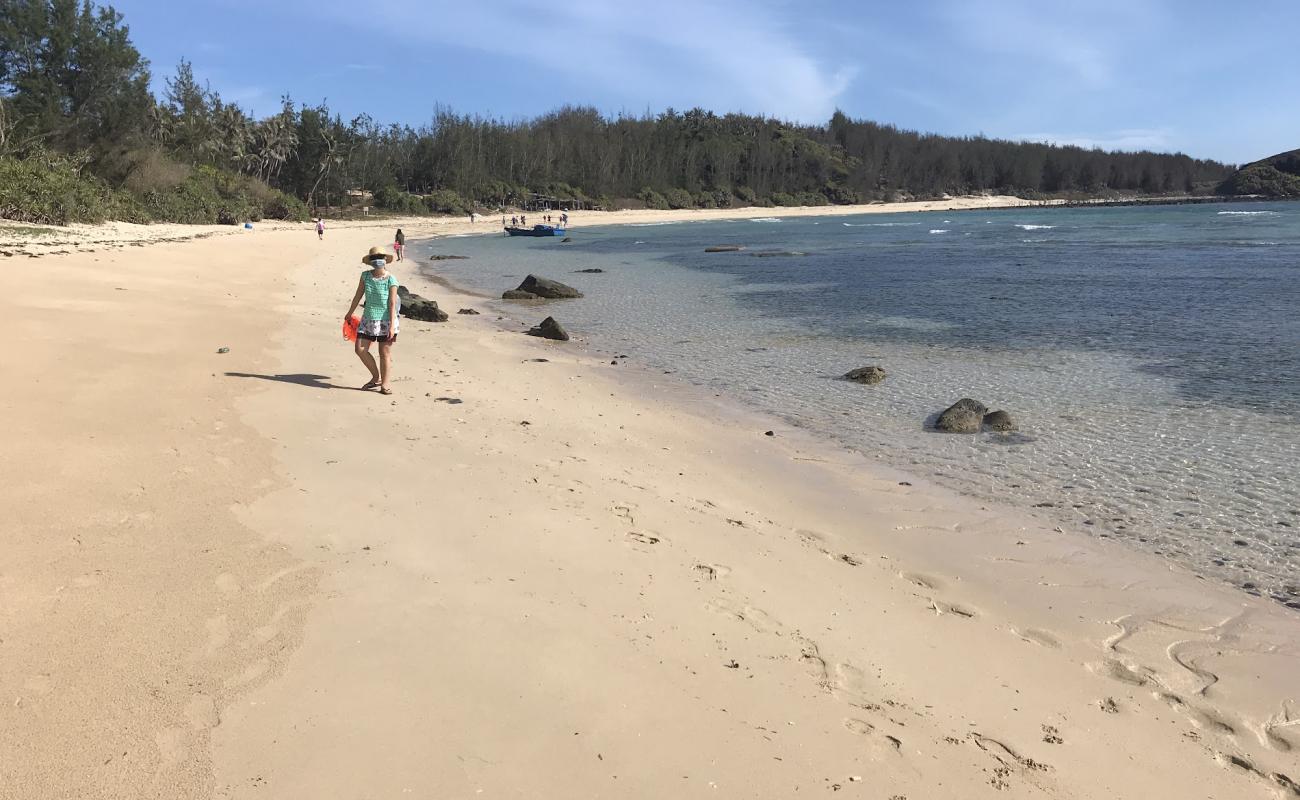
83, 138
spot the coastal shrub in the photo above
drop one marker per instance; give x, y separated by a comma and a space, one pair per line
811, 199
652, 199
52, 189
745, 195
679, 198
1264, 179
783, 199
446, 201
391, 198
842, 195
209, 196
152, 171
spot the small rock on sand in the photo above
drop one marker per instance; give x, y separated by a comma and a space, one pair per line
550, 329
416, 307
468, 311
725, 248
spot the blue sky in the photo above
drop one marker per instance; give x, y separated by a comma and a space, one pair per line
1212, 79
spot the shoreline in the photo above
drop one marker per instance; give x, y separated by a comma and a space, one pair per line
1049, 507
555, 608
31, 240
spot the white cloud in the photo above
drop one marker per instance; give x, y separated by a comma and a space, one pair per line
1084, 45
1159, 140
725, 55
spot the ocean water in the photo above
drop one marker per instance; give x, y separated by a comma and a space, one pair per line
1151, 356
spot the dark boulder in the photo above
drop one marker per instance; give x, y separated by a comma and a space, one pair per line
515, 294
999, 421
545, 287
964, 416
724, 248
467, 311
416, 307
403, 292
550, 329
447, 258
865, 375
566, 240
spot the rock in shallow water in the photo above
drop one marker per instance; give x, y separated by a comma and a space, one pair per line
515, 294
545, 287
550, 329
964, 416
865, 375
999, 421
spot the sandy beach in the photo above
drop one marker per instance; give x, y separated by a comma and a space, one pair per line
21, 239
535, 573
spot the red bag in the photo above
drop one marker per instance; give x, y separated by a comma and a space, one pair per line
350, 326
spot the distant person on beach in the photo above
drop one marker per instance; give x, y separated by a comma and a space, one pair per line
514, 220
320, 228
564, 218
378, 288
399, 244
523, 220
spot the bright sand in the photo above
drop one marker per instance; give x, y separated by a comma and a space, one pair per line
233, 575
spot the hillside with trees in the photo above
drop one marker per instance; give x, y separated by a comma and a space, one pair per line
1275, 176
82, 139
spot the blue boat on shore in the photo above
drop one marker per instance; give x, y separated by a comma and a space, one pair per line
536, 230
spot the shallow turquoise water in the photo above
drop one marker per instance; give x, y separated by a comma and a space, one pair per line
1150, 355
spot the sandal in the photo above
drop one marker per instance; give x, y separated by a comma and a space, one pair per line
370, 385
385, 390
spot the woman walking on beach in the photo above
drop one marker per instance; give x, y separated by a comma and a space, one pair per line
320, 227
378, 288
399, 243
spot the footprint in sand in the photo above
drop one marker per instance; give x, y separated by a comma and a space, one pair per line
1120, 672
755, 618
1036, 636
814, 539
218, 634
711, 572
251, 673
642, 538
880, 744
924, 581
201, 711
173, 746
261, 635
280, 575
1202, 719
851, 684
942, 608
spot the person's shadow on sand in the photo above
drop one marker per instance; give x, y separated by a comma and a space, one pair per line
300, 379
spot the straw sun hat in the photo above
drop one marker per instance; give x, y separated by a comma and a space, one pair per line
374, 253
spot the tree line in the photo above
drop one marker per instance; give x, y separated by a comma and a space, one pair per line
74, 95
